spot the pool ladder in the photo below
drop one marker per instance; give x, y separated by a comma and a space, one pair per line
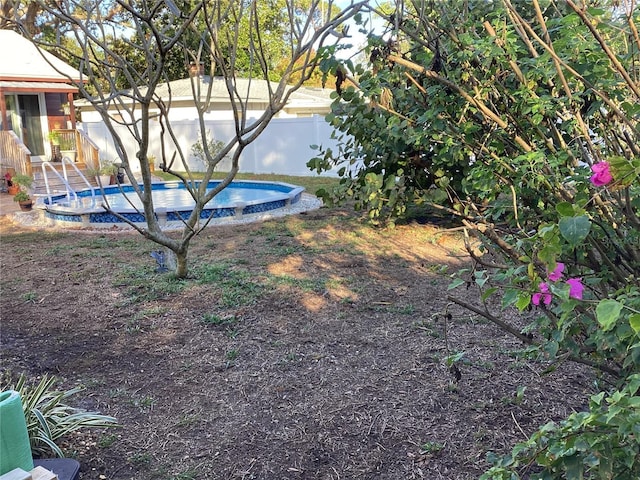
71, 195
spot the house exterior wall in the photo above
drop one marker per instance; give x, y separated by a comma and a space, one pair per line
283, 148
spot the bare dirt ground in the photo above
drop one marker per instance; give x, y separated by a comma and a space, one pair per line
308, 347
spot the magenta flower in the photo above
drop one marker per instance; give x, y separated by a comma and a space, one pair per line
557, 273
601, 174
543, 295
575, 288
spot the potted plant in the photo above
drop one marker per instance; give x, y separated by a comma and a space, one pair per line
12, 186
24, 200
68, 146
104, 173
109, 170
24, 183
54, 138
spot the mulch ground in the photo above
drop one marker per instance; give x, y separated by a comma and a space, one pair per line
308, 347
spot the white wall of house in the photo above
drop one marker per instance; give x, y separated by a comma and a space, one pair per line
283, 148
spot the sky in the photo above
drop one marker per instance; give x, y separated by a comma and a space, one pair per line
358, 39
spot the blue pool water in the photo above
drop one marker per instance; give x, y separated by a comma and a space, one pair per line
171, 201
174, 195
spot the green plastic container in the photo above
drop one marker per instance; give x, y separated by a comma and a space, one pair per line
15, 450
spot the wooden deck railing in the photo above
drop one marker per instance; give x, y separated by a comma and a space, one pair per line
14, 154
78, 141
89, 153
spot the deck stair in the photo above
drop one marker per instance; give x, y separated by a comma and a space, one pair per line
56, 186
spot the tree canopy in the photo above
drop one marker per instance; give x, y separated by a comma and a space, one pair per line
272, 16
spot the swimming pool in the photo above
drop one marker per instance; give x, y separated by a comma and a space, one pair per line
172, 203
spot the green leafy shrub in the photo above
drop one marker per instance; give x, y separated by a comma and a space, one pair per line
209, 150
49, 418
604, 441
522, 119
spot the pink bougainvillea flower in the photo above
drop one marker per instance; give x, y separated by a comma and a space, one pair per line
601, 174
575, 288
557, 273
542, 296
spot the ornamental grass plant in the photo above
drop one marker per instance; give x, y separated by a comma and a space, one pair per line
49, 419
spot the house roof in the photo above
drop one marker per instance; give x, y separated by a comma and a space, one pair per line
22, 61
15, 86
249, 90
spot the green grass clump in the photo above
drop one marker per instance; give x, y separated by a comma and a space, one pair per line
238, 287
143, 284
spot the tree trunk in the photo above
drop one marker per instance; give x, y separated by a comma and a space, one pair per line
181, 264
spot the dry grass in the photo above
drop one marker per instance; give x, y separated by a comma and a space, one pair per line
308, 347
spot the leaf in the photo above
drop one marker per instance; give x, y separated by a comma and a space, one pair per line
488, 293
509, 298
565, 209
574, 467
574, 229
44, 426
480, 279
633, 356
624, 172
634, 321
551, 348
614, 410
456, 283
634, 384
524, 300
597, 399
454, 358
550, 252
607, 312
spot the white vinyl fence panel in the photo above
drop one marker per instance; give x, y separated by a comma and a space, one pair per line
283, 148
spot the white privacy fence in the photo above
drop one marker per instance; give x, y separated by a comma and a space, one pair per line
283, 148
